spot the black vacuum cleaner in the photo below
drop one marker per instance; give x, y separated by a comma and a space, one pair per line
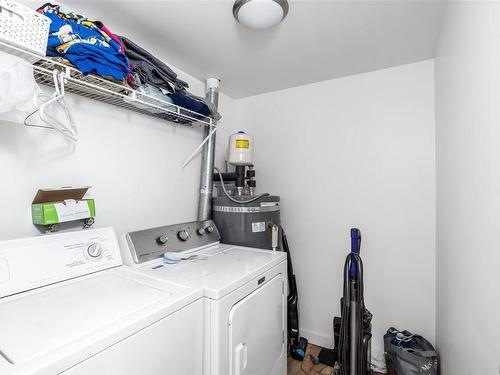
297, 344
352, 331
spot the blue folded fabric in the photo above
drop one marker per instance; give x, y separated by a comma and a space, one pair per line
86, 48
184, 100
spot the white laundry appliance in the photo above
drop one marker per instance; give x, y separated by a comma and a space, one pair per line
68, 306
244, 290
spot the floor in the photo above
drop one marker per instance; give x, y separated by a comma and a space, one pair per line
307, 367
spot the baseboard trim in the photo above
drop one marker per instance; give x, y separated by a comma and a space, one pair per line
317, 338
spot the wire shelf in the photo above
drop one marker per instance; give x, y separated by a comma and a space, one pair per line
106, 91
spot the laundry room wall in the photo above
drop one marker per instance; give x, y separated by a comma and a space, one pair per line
133, 162
468, 186
358, 152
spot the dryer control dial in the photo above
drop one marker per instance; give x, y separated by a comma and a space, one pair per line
183, 235
163, 239
94, 250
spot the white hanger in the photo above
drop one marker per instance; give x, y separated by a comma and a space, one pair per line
190, 157
58, 97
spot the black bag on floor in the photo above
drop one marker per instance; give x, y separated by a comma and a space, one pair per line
408, 354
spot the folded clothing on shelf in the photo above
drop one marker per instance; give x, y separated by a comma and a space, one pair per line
151, 95
181, 98
150, 69
88, 45
94, 49
195, 103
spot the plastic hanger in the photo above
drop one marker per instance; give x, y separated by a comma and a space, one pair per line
190, 157
58, 97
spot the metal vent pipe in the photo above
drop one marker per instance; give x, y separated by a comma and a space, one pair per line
208, 157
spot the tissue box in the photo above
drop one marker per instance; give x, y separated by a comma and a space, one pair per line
54, 206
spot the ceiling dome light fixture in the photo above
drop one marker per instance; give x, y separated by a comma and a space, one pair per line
260, 14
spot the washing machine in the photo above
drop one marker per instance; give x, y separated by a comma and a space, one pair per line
69, 306
244, 293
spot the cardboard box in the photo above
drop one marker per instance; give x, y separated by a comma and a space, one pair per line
54, 206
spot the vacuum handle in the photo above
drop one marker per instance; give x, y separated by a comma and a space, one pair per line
355, 240
355, 248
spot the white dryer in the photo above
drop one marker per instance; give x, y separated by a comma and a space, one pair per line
68, 306
244, 290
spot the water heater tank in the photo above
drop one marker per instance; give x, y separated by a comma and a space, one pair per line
248, 224
240, 149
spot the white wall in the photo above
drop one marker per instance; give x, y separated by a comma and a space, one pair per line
468, 186
354, 152
133, 163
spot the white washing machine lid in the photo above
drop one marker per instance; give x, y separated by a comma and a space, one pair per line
218, 269
37, 322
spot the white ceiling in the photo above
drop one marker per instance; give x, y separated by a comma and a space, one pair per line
319, 40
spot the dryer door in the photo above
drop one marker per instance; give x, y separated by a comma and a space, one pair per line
257, 330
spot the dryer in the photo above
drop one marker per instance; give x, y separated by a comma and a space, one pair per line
68, 306
244, 293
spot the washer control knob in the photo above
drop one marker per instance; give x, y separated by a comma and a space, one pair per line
201, 231
209, 229
163, 239
94, 250
183, 235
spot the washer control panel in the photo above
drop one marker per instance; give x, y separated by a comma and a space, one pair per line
153, 243
38, 261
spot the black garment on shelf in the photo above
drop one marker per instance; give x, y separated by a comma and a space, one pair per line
150, 69
147, 69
